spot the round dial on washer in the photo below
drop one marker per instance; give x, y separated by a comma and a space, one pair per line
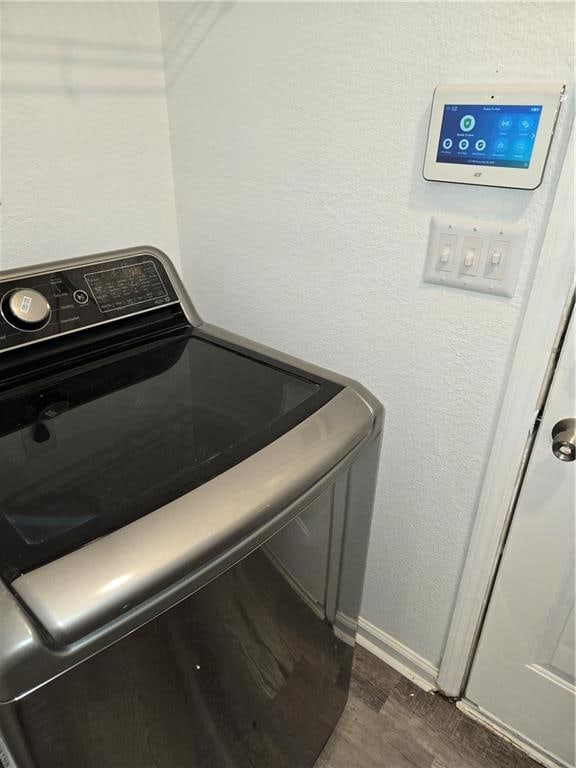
26, 309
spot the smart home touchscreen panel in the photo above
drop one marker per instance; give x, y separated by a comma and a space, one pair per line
491, 136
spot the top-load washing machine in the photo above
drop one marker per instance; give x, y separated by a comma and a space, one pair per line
184, 520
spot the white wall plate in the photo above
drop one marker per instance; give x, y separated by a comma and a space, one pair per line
475, 255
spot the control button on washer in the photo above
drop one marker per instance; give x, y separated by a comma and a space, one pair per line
26, 309
80, 297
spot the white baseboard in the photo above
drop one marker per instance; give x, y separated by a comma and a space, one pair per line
397, 655
424, 674
345, 628
497, 727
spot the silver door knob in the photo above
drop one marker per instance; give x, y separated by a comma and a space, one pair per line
564, 439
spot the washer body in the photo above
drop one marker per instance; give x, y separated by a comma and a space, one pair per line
184, 524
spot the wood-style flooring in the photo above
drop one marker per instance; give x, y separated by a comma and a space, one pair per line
391, 723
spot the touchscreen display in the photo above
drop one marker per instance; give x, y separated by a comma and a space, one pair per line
488, 134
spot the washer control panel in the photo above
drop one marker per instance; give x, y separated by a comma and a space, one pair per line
48, 304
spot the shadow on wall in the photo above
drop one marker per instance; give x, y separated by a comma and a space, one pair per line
91, 48
196, 24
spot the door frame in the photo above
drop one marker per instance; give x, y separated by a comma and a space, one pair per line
539, 338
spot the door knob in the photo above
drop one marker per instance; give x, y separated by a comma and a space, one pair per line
564, 439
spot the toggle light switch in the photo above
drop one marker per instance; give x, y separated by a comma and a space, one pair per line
471, 251
447, 246
496, 261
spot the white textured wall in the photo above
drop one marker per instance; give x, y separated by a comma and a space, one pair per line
86, 163
298, 132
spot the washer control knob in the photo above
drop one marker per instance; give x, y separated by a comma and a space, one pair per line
26, 309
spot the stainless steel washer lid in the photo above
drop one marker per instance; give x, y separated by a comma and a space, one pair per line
84, 590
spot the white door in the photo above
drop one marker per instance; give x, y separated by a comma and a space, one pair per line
523, 671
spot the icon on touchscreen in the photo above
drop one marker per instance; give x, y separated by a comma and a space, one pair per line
467, 123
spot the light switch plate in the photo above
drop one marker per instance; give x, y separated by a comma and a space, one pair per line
484, 256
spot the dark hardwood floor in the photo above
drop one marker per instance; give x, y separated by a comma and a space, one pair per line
391, 723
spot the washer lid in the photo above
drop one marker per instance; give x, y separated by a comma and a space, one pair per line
96, 446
